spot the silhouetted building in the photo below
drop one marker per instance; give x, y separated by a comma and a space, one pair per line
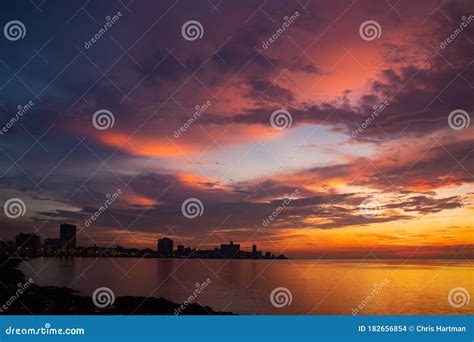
180, 250
165, 247
204, 254
67, 235
231, 250
52, 243
255, 253
28, 244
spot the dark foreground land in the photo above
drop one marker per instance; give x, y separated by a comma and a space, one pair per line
52, 300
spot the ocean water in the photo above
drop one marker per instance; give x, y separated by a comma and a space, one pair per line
272, 287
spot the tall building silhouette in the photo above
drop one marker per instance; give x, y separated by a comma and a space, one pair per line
28, 244
52, 243
67, 236
165, 247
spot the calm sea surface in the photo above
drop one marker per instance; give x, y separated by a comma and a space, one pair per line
245, 286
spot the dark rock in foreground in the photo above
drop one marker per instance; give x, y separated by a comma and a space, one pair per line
52, 300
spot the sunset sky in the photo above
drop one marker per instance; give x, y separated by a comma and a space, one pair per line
409, 167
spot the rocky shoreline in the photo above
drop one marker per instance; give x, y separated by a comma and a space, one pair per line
18, 296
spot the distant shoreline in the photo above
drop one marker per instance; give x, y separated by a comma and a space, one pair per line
249, 259
148, 257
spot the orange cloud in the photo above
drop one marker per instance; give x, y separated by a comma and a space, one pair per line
193, 142
137, 199
146, 146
